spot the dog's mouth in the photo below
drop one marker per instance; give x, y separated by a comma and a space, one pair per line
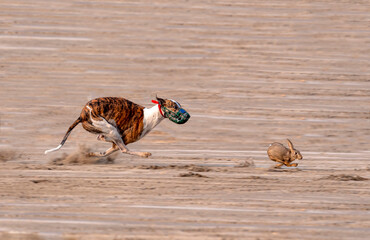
179, 117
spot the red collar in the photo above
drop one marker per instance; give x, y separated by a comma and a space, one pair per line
159, 107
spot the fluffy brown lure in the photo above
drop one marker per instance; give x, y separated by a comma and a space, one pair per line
277, 152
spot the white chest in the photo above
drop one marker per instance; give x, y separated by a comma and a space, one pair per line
152, 117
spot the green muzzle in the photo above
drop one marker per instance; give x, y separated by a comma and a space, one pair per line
179, 117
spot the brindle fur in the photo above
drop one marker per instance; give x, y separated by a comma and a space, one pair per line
284, 156
116, 120
123, 114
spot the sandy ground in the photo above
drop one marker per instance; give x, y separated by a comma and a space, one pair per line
249, 72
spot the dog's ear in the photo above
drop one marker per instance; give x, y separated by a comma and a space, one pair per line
160, 100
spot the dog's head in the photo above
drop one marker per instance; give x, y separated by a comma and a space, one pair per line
173, 110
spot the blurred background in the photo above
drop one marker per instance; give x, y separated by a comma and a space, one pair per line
250, 73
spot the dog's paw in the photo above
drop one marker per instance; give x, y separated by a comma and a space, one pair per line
94, 154
145, 154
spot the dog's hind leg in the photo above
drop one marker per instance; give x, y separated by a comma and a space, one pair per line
102, 137
117, 145
113, 136
114, 148
110, 134
106, 153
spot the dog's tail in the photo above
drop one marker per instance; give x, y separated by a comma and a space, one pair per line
65, 136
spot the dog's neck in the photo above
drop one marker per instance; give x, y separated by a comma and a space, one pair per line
152, 117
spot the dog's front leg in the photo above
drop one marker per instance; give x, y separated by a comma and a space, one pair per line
124, 149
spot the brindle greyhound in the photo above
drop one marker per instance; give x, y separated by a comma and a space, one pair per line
120, 121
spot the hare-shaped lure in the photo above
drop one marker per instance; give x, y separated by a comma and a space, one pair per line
277, 152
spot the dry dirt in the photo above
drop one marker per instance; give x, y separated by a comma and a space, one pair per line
249, 72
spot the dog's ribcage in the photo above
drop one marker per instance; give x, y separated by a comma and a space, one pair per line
124, 115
